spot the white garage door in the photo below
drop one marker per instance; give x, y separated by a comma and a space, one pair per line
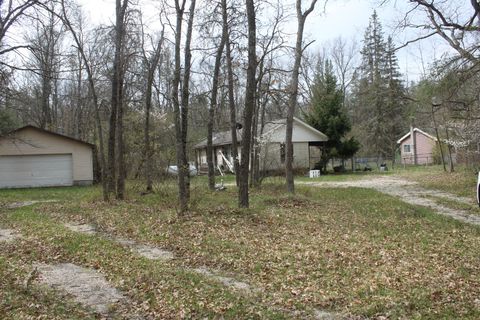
36, 171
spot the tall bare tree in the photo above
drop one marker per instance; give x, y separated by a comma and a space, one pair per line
115, 152
231, 85
180, 106
243, 199
293, 92
212, 108
151, 64
80, 45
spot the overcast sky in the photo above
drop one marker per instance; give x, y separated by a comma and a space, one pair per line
345, 18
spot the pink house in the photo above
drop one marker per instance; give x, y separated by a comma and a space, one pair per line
416, 147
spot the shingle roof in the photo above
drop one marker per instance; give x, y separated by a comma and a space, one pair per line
225, 137
220, 139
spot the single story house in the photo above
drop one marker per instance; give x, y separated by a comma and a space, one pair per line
34, 157
416, 147
307, 143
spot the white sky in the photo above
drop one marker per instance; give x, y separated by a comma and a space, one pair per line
345, 18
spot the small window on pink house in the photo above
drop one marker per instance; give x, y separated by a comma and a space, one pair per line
406, 148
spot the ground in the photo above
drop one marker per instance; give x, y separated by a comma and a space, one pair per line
341, 248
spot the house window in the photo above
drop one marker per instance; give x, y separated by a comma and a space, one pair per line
406, 148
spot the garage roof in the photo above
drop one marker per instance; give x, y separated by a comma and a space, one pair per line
11, 133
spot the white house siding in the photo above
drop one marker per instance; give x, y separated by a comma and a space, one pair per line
300, 155
271, 157
31, 141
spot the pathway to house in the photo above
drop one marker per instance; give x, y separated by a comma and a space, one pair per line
15, 205
155, 253
409, 192
88, 287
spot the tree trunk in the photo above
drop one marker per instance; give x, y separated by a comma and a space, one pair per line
152, 65
257, 176
293, 93
176, 107
449, 149
116, 116
211, 112
438, 138
253, 141
181, 116
93, 92
231, 95
243, 201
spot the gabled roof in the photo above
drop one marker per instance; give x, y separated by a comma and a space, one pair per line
225, 137
419, 131
13, 132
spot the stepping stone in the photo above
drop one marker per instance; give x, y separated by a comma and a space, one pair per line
323, 315
7, 235
82, 228
87, 286
15, 205
153, 253
149, 252
226, 281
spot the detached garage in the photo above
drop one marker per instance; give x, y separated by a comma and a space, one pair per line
33, 157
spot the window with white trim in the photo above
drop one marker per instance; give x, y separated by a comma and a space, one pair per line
406, 148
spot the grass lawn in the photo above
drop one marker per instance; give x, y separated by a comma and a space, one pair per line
352, 251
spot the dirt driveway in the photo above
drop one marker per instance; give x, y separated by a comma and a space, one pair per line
409, 192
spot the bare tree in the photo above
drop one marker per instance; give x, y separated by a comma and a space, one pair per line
212, 108
45, 46
343, 55
293, 92
180, 106
11, 12
151, 64
243, 200
116, 112
231, 84
460, 31
80, 45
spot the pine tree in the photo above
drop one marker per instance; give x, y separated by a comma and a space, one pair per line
327, 114
378, 93
395, 105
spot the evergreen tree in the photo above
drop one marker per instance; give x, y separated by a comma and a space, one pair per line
378, 94
327, 114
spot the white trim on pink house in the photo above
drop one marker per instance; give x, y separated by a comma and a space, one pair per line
424, 144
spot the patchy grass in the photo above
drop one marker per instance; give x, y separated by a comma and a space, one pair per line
456, 205
352, 251
52, 193
462, 182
